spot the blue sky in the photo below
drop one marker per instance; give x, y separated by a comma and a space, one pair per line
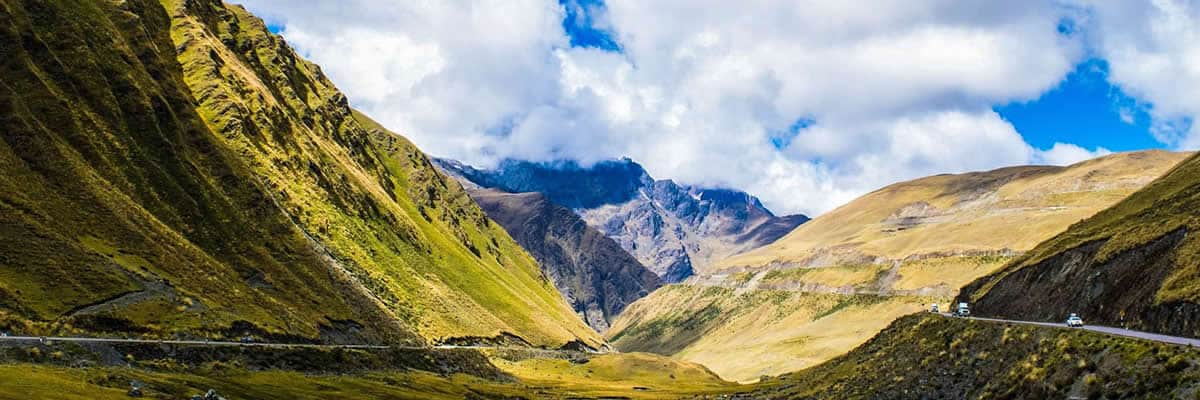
1085, 109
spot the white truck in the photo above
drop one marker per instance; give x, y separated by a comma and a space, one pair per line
962, 310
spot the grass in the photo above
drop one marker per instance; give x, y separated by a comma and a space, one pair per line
854, 275
639, 376
1011, 208
616, 375
1167, 204
949, 272
760, 332
173, 168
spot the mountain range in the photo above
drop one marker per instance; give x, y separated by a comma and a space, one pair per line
189, 209
674, 230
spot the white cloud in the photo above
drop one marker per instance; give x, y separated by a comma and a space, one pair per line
1153, 50
897, 89
1067, 154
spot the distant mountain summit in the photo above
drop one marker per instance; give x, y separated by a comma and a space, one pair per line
673, 229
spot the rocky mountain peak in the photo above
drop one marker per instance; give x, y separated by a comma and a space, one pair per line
673, 229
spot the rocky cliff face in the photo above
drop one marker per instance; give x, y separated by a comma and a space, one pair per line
596, 276
673, 229
1135, 264
173, 168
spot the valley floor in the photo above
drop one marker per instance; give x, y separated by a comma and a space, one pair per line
66, 370
924, 354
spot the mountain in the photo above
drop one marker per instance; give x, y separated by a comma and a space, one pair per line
597, 277
1136, 264
674, 230
837, 280
174, 169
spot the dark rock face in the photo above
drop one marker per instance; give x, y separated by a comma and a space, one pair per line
1117, 292
596, 276
672, 229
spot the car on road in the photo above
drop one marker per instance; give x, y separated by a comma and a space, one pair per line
1074, 321
934, 308
247, 339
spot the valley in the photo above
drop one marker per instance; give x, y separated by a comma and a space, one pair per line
188, 205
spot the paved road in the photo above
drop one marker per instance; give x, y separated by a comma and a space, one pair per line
1182, 341
261, 344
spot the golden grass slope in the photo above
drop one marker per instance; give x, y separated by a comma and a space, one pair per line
776, 309
744, 335
1010, 208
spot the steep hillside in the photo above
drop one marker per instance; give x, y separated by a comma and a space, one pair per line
924, 356
674, 230
593, 273
906, 245
172, 168
1010, 209
1136, 264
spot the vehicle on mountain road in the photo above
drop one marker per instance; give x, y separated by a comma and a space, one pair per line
962, 310
934, 308
1074, 321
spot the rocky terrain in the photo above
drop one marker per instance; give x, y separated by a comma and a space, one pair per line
1133, 265
672, 229
596, 276
835, 281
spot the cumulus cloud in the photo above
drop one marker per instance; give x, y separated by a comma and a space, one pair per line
806, 104
1067, 154
1153, 51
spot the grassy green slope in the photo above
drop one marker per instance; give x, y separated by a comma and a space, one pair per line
624, 376
237, 193
121, 211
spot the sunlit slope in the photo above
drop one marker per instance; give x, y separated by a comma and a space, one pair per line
1011, 208
904, 246
1135, 264
742, 335
184, 172
120, 211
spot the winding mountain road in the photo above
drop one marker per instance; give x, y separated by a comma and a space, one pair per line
1176, 340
